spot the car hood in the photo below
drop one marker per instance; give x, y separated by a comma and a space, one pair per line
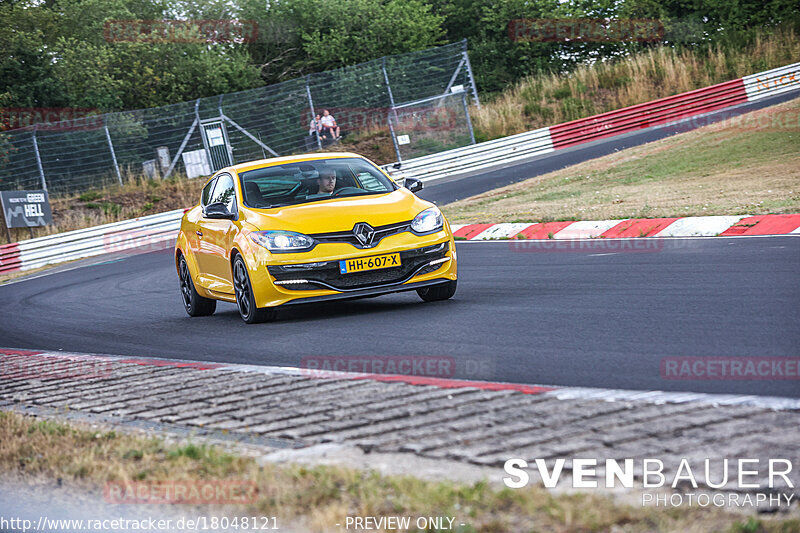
339, 214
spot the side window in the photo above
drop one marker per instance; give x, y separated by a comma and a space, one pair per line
206, 196
224, 192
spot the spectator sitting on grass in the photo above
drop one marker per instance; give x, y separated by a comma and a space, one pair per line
329, 126
315, 125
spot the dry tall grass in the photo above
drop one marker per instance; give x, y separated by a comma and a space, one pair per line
659, 72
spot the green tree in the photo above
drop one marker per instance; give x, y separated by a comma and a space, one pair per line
61, 53
305, 36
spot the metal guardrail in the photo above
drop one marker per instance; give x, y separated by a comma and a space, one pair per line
144, 234
475, 157
772, 82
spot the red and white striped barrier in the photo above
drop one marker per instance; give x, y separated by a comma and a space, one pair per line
711, 226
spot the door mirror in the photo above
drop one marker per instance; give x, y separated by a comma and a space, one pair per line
412, 184
218, 210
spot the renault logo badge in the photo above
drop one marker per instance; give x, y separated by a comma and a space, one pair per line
364, 233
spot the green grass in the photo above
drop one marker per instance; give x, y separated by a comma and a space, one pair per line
742, 166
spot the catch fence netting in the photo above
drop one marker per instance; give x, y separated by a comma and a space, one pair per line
431, 87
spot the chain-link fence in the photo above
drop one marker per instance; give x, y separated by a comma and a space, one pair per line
425, 93
431, 125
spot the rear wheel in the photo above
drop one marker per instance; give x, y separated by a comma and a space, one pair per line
441, 291
194, 304
245, 300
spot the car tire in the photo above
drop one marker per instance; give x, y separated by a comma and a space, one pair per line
194, 304
441, 291
245, 300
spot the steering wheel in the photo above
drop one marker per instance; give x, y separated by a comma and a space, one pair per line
346, 190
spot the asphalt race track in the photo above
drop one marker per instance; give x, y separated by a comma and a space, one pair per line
599, 318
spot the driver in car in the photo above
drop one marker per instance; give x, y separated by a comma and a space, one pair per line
326, 181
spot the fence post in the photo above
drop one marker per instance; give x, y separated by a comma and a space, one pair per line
471, 78
111, 147
228, 146
388, 87
469, 120
394, 111
203, 135
394, 137
5, 224
38, 157
313, 113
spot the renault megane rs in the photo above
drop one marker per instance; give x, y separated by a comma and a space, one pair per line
310, 228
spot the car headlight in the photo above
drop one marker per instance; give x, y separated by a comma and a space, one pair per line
282, 241
428, 221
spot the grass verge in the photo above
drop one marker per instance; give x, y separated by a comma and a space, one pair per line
746, 165
319, 497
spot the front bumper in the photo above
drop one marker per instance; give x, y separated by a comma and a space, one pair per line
326, 274
424, 261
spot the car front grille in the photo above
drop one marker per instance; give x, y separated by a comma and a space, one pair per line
326, 274
349, 237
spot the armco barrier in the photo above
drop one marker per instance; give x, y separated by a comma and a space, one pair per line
145, 234
772, 82
663, 111
9, 258
477, 156
653, 113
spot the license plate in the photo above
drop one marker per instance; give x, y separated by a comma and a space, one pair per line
348, 266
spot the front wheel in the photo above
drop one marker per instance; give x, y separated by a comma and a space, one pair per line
441, 291
194, 304
245, 300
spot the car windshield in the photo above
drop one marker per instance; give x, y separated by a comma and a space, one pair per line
310, 181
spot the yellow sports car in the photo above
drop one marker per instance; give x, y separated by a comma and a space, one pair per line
310, 228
